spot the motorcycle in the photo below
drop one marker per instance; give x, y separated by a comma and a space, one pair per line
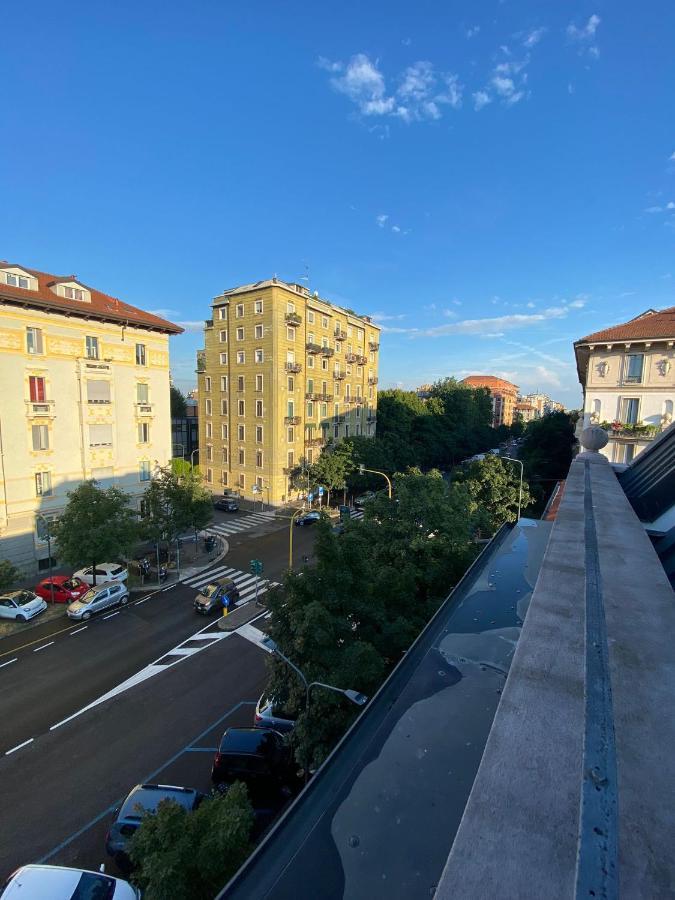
148, 571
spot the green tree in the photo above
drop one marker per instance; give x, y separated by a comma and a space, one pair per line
493, 486
9, 575
182, 855
332, 466
178, 404
96, 526
175, 503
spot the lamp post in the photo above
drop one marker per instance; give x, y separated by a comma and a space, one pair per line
363, 469
520, 492
49, 552
196, 450
290, 536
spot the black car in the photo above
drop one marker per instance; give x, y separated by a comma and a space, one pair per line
226, 504
262, 760
143, 798
309, 518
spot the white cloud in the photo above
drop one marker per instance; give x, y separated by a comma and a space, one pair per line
493, 324
457, 302
385, 317
381, 220
164, 313
472, 31
533, 37
450, 314
327, 65
670, 205
586, 32
195, 327
395, 228
577, 304
480, 99
546, 376
672, 156
530, 305
364, 84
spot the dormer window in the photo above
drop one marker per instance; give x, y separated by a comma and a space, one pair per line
16, 277
16, 280
73, 293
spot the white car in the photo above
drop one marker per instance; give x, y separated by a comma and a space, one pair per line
59, 883
104, 572
21, 605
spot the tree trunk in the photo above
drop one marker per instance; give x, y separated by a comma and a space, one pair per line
93, 569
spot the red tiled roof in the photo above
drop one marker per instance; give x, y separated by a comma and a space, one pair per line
102, 306
649, 324
491, 382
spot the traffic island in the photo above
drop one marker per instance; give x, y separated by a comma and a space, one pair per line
240, 616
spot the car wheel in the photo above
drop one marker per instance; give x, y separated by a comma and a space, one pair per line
86, 615
19, 618
124, 601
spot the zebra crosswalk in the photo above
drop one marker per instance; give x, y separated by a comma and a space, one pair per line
244, 581
356, 513
240, 523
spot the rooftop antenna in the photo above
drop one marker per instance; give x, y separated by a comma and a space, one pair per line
305, 277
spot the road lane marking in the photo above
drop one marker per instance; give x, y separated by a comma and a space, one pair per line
138, 602
9, 662
110, 615
200, 750
78, 630
19, 746
37, 649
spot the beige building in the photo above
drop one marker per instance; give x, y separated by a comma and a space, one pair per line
503, 395
525, 412
283, 371
627, 373
85, 394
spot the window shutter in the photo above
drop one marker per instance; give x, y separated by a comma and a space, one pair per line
100, 435
98, 391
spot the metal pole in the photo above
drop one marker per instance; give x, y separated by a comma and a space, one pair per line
178, 558
256, 588
49, 553
159, 583
290, 537
376, 472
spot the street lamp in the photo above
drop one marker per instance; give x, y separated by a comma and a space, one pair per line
363, 469
520, 492
49, 551
196, 450
290, 536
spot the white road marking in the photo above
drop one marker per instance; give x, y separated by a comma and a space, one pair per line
37, 649
9, 662
110, 615
78, 630
254, 635
19, 746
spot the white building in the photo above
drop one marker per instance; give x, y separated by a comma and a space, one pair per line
627, 373
85, 394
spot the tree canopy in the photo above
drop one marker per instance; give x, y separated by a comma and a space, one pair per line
175, 503
9, 575
178, 403
493, 486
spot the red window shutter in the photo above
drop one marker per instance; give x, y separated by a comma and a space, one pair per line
37, 389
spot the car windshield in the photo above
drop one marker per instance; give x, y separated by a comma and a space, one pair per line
23, 598
210, 590
117, 570
94, 887
89, 596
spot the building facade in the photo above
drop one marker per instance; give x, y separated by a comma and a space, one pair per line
282, 372
85, 394
627, 373
503, 395
525, 412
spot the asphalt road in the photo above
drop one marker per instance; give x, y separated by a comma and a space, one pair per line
58, 780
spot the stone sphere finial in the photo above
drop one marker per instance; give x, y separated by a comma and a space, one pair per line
593, 438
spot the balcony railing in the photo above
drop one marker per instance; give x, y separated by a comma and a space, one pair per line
312, 395
293, 319
291, 420
327, 351
313, 348
44, 408
314, 441
340, 335
288, 469
144, 409
373, 346
339, 376
352, 357
293, 367
372, 380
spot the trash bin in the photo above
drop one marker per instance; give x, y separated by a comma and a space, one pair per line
209, 543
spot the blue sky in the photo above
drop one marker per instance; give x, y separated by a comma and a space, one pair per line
492, 179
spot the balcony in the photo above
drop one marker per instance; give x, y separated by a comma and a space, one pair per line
291, 420
340, 335
325, 398
354, 401
43, 409
144, 409
293, 319
327, 351
373, 346
352, 357
313, 348
312, 395
314, 442
201, 361
626, 431
339, 376
373, 379
287, 470
293, 367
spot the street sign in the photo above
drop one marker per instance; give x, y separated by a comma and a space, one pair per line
345, 514
256, 489
310, 497
320, 492
256, 567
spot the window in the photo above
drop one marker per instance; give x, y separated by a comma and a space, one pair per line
209, 429
144, 470
240, 334
207, 383
290, 334
324, 321
291, 435
634, 367
291, 383
98, 391
310, 410
207, 407
336, 431
259, 356
222, 312
370, 392
324, 410
36, 385
240, 382
224, 432
259, 408
209, 476
226, 456
291, 459
92, 347
209, 453
259, 459
73, 293
290, 407
223, 359
310, 456
348, 390
34, 340
223, 382
223, 338
141, 392
629, 410
241, 357
258, 331
17, 280
43, 484
225, 477
324, 364
290, 307
241, 432
258, 307
359, 335
338, 346
350, 331
310, 317
310, 385
100, 436
310, 337
140, 354
242, 456
143, 433
242, 480
359, 371
259, 482
241, 407
239, 310
40, 437
310, 362
371, 357
259, 434
258, 382
223, 407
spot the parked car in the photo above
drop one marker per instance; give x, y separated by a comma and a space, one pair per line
104, 572
140, 800
227, 504
269, 713
65, 589
364, 498
21, 605
98, 598
210, 598
309, 518
59, 883
262, 760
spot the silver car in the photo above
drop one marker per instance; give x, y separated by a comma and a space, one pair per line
97, 599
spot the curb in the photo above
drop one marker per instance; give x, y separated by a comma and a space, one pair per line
233, 621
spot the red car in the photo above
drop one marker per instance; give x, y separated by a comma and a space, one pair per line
66, 589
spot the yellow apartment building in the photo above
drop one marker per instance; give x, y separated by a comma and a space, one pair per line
282, 372
85, 394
